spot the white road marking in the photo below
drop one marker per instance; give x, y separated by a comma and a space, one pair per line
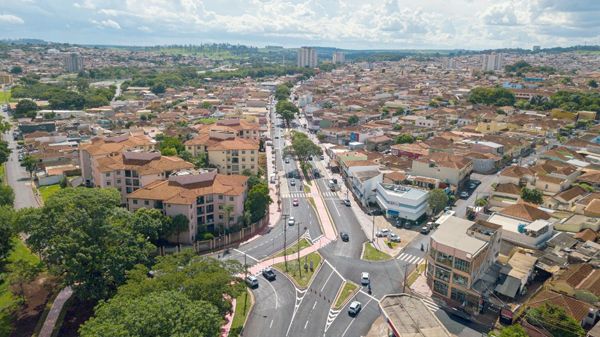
248, 255
271, 325
305, 324
314, 305
324, 284
275, 291
349, 325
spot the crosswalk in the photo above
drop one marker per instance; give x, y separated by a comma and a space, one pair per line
295, 195
430, 304
411, 259
330, 194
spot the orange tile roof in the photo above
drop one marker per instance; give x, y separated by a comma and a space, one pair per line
525, 211
143, 167
103, 146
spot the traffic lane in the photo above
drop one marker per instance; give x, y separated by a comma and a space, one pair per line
345, 325
305, 217
312, 313
458, 326
484, 189
273, 307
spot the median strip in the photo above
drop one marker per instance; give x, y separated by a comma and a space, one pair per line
345, 294
370, 253
293, 249
301, 277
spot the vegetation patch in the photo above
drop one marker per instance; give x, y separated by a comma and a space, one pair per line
347, 291
415, 274
47, 191
370, 253
304, 243
243, 305
302, 276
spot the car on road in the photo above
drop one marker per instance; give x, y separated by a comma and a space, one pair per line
347, 202
252, 281
394, 237
322, 157
295, 202
464, 195
276, 137
269, 274
364, 278
425, 229
293, 182
344, 236
354, 308
291, 221
287, 160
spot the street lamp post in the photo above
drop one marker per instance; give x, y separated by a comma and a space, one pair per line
285, 216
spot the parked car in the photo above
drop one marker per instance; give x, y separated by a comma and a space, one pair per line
252, 281
322, 157
354, 308
425, 229
394, 237
291, 221
382, 233
295, 202
364, 278
293, 182
347, 202
269, 274
344, 236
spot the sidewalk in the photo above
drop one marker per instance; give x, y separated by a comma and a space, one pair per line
257, 268
57, 307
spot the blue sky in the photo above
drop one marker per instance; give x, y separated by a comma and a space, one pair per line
356, 24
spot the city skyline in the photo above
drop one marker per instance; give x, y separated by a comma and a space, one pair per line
391, 24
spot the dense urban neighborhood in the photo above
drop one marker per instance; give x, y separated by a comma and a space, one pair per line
176, 191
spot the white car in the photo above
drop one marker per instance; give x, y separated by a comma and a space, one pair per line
384, 232
394, 237
354, 308
291, 221
252, 281
364, 278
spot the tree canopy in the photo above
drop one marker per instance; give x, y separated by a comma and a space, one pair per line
6, 231
286, 110
404, 138
492, 96
85, 236
282, 92
532, 195
438, 199
302, 147
257, 201
353, 120
512, 331
555, 320
26, 107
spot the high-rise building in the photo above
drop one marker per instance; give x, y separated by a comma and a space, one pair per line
307, 57
491, 62
537, 48
73, 62
338, 57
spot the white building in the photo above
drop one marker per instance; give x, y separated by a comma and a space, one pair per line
401, 201
338, 57
73, 63
307, 57
491, 62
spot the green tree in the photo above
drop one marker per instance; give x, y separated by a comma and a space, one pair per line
7, 195
166, 142
6, 231
555, 320
405, 139
168, 151
481, 202
287, 110
288, 116
30, 164
179, 223
20, 273
511, 331
26, 107
258, 201
302, 147
151, 223
592, 84
160, 314
492, 96
81, 235
353, 120
15, 70
158, 88
227, 209
282, 92
4, 153
438, 199
532, 195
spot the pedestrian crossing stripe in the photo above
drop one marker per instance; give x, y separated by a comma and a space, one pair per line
294, 195
431, 305
411, 259
330, 194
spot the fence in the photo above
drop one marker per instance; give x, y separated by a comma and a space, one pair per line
231, 239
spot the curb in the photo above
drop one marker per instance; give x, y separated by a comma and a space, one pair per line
352, 294
328, 213
312, 277
372, 261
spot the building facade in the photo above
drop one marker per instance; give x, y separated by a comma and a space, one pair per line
338, 57
491, 62
307, 57
402, 201
73, 62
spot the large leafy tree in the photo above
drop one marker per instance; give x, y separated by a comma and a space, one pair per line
492, 96
282, 92
258, 201
405, 139
7, 195
80, 234
532, 195
511, 331
438, 199
286, 110
30, 163
159, 314
179, 224
6, 231
26, 107
4, 152
555, 320
302, 147
151, 223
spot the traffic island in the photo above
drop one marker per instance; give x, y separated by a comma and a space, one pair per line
370, 253
345, 294
243, 306
293, 249
301, 277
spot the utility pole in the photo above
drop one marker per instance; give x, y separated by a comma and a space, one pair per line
285, 216
245, 266
298, 249
404, 281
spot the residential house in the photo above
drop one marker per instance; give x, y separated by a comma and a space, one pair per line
450, 169
523, 225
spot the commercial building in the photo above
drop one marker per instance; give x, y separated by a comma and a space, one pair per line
491, 62
73, 62
209, 200
338, 57
461, 253
402, 201
307, 57
450, 169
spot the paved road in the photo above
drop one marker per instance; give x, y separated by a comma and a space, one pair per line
483, 190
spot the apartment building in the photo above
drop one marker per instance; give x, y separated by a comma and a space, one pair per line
132, 170
241, 127
402, 201
101, 147
307, 57
450, 169
229, 153
491, 62
210, 201
460, 255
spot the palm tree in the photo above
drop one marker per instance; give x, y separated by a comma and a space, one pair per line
179, 224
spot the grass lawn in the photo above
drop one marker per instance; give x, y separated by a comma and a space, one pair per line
243, 304
206, 121
306, 189
47, 191
4, 96
347, 290
371, 253
2, 173
294, 248
312, 202
302, 278
19, 252
415, 274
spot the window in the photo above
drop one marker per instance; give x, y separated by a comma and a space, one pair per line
220, 196
230, 198
220, 207
440, 287
462, 265
210, 218
220, 216
209, 198
460, 280
108, 174
108, 183
128, 190
118, 181
210, 209
146, 202
430, 269
457, 295
127, 173
432, 252
200, 200
442, 274
444, 259
200, 210
134, 201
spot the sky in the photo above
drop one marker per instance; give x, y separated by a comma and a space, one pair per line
348, 24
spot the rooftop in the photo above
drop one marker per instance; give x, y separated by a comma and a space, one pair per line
452, 232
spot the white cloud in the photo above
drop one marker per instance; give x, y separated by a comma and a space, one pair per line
11, 19
108, 23
86, 4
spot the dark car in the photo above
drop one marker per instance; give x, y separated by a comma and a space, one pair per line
345, 237
269, 274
